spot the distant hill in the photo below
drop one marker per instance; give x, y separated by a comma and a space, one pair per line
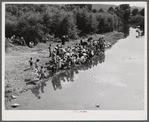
105, 7
133, 7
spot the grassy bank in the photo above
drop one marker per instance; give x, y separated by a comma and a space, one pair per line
17, 65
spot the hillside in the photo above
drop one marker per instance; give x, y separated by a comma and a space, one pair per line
133, 7
103, 6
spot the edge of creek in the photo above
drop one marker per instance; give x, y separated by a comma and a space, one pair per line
15, 86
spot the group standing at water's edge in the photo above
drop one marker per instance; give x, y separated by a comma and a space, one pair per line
66, 57
67, 75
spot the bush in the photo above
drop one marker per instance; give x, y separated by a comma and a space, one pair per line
35, 22
105, 22
138, 20
30, 27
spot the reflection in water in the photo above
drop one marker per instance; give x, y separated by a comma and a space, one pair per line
117, 83
56, 82
68, 75
125, 30
36, 89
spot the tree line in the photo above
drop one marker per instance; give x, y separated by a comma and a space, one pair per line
35, 22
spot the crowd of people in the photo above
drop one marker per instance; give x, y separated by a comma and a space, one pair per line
64, 57
39, 71
20, 41
67, 75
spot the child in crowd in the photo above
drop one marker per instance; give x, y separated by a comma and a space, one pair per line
31, 63
37, 65
50, 51
36, 75
42, 73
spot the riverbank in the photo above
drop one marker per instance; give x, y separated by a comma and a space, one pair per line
17, 65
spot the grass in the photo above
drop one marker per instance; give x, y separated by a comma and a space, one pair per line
17, 62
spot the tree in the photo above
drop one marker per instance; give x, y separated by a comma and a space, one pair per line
142, 12
68, 26
101, 10
124, 6
94, 10
88, 7
34, 22
127, 15
135, 12
117, 9
30, 27
10, 28
123, 11
111, 10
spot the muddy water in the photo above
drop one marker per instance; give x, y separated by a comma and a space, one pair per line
114, 80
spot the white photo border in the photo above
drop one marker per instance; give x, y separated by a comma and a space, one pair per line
24, 115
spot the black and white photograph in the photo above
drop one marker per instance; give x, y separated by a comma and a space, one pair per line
83, 59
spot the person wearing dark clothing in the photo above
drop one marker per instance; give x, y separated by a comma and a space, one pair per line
31, 63
63, 39
42, 73
102, 44
37, 65
50, 50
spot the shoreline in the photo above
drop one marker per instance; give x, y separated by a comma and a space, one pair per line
17, 60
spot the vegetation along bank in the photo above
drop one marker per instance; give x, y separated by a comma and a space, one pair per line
43, 24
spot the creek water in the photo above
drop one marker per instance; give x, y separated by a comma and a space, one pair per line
114, 81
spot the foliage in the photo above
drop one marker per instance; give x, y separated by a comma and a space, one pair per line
135, 12
138, 20
94, 11
35, 22
111, 10
142, 12
123, 11
101, 10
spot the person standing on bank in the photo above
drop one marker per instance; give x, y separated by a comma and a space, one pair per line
23, 41
31, 63
37, 65
50, 51
63, 40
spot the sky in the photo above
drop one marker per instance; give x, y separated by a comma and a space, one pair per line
138, 4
